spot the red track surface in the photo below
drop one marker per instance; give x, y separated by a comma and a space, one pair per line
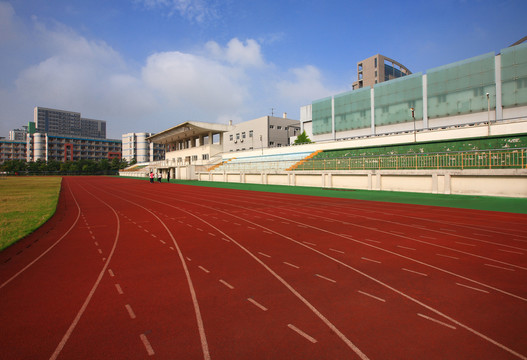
127, 269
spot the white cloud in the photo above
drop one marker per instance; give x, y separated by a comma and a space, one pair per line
306, 84
188, 80
237, 53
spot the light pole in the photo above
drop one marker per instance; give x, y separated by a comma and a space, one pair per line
488, 113
413, 117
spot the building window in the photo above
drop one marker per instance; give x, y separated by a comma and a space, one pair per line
243, 135
194, 157
279, 127
271, 143
376, 63
231, 137
271, 126
250, 133
205, 157
238, 136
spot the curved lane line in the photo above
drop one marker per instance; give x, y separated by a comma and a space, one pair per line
51, 247
68, 333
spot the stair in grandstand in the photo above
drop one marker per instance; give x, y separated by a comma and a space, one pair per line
310, 156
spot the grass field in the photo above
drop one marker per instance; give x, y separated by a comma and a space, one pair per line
25, 204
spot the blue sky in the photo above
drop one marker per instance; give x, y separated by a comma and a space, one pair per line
147, 65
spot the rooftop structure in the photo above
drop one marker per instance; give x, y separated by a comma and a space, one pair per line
377, 69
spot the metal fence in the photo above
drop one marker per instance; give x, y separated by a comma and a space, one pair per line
488, 159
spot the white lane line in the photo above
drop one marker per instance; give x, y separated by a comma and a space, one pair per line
130, 311
225, 239
267, 232
510, 251
405, 247
261, 253
119, 289
202, 268
448, 256
473, 288
93, 237
226, 284
437, 321
171, 248
255, 303
211, 234
111, 272
325, 278
189, 259
305, 242
302, 226
199, 229
483, 235
146, 343
301, 333
342, 252
289, 264
237, 224
427, 237
162, 242
250, 227
462, 243
499, 267
375, 261
100, 251
153, 235
452, 230
375, 241
397, 232
96, 243
415, 272
372, 296
146, 230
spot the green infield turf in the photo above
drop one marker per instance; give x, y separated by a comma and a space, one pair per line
26, 203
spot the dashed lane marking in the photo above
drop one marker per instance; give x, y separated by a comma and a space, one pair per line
448, 256
473, 288
342, 252
189, 259
119, 289
289, 264
437, 321
146, 343
212, 234
405, 247
510, 251
301, 333
205, 270
415, 272
309, 243
162, 242
130, 311
100, 251
461, 243
261, 253
372, 296
499, 267
375, 241
375, 261
325, 278
257, 304
111, 272
226, 284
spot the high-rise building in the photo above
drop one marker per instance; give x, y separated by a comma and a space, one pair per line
377, 69
135, 146
68, 123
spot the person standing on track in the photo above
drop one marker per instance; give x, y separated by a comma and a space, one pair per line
168, 176
151, 177
159, 177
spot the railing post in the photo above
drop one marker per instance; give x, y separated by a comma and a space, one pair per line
490, 160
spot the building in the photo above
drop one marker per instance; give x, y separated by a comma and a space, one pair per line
67, 123
263, 132
377, 69
136, 146
12, 150
482, 89
18, 134
69, 148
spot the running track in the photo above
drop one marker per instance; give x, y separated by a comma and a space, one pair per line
132, 270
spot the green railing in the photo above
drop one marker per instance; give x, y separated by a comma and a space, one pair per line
480, 159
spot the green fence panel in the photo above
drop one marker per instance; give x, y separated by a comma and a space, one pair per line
514, 75
461, 87
395, 98
322, 115
353, 110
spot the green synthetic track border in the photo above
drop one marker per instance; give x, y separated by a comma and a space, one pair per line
489, 203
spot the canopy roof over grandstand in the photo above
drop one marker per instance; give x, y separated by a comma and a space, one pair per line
188, 130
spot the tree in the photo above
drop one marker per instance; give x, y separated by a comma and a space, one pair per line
302, 139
